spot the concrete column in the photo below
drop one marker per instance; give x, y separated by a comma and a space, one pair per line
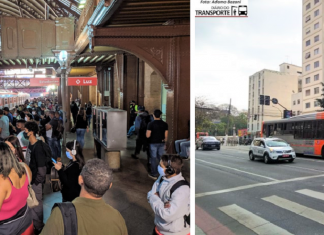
119, 80
93, 94
85, 95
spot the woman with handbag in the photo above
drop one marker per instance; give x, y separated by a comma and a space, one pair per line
15, 215
69, 175
81, 126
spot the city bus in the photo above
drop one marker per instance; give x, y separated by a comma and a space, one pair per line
305, 133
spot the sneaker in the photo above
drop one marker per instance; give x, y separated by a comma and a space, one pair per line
152, 176
134, 156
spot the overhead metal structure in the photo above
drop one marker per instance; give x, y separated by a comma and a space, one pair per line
40, 9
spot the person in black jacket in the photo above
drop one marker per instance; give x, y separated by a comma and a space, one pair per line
69, 175
74, 111
81, 126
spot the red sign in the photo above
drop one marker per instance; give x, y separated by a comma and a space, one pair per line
82, 81
44, 81
242, 132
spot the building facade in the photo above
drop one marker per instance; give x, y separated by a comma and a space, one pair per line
276, 84
312, 55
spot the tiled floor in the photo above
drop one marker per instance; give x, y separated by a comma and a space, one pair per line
129, 190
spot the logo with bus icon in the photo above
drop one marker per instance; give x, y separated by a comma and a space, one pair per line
239, 10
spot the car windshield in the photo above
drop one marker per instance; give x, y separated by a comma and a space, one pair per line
209, 138
276, 143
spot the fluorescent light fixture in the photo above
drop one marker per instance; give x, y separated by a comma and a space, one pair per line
81, 6
83, 1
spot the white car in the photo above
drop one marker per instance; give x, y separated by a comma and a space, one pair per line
271, 149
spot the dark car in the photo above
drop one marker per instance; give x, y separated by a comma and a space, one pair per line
207, 142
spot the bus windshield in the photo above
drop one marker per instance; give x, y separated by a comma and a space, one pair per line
276, 143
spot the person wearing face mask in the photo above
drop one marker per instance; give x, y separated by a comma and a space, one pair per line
22, 136
37, 157
69, 175
29, 117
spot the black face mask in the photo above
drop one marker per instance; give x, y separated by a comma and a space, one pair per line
26, 136
18, 130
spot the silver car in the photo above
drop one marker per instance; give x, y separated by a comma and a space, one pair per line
271, 149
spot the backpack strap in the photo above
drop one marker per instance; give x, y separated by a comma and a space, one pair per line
177, 185
70, 219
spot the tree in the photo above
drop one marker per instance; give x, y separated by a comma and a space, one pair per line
321, 101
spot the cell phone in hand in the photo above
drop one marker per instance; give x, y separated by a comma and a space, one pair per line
54, 160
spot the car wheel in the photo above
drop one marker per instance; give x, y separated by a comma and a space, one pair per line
291, 160
266, 158
202, 147
218, 148
251, 156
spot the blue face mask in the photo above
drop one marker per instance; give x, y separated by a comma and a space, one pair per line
161, 171
69, 155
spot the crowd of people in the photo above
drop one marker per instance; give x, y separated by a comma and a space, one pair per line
30, 148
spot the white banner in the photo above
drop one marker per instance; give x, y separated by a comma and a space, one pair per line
219, 8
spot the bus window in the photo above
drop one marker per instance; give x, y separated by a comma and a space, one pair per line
299, 130
264, 131
307, 133
320, 129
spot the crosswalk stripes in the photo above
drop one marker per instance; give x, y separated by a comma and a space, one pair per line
311, 193
252, 221
294, 207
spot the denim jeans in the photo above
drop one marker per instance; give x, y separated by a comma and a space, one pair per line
80, 136
156, 151
89, 120
131, 130
55, 147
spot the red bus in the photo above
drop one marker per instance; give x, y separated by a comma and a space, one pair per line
305, 133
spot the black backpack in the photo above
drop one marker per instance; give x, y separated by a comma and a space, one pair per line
70, 219
174, 188
48, 155
145, 120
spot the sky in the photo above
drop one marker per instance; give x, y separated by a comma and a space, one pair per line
229, 50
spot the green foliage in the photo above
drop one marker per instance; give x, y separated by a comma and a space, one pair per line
205, 115
321, 101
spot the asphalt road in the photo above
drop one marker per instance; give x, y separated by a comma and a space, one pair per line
237, 196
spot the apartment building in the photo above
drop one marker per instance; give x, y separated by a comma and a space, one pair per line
312, 56
276, 84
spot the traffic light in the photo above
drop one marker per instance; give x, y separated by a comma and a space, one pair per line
267, 100
261, 99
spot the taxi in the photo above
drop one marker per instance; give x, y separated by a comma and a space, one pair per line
271, 149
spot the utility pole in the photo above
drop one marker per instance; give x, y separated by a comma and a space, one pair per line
228, 115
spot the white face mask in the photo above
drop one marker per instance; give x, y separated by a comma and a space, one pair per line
161, 170
33, 113
26, 119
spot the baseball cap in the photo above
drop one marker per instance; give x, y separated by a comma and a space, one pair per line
141, 108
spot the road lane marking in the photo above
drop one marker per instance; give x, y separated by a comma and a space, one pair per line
256, 185
235, 169
311, 193
252, 221
296, 208
303, 168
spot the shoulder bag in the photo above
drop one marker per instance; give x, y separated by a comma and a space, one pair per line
31, 199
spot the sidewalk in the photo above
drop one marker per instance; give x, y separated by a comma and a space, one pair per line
129, 189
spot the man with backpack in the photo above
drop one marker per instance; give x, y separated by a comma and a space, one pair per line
88, 213
141, 123
170, 199
38, 156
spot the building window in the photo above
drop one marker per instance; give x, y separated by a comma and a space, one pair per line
259, 84
316, 77
307, 67
298, 101
316, 90
307, 80
294, 102
316, 1
316, 26
307, 31
307, 42
307, 92
308, 6
307, 55
316, 64
308, 18
316, 38
316, 51
316, 13
307, 105
316, 103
